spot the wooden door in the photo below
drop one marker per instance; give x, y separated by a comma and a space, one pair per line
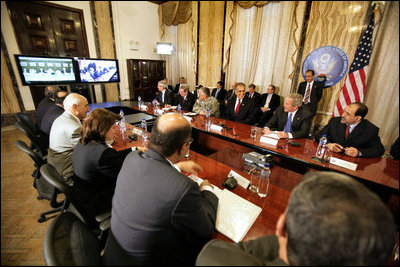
143, 76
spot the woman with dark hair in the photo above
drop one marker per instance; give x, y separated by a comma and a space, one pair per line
96, 164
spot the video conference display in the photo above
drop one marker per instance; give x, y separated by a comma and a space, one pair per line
36, 70
45, 70
98, 70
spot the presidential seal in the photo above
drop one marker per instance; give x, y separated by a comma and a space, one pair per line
329, 63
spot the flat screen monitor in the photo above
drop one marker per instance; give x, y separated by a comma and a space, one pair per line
37, 70
93, 70
164, 48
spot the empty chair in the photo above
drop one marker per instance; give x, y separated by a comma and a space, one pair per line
68, 241
25, 119
33, 136
44, 189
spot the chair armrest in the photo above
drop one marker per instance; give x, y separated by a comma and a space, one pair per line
103, 216
105, 224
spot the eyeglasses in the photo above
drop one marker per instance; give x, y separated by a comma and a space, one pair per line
189, 141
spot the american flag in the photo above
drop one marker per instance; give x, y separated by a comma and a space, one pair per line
353, 89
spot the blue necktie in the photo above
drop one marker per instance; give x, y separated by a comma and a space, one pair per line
288, 123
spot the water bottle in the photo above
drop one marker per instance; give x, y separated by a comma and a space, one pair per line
155, 105
179, 109
122, 125
207, 113
263, 184
321, 147
139, 102
143, 125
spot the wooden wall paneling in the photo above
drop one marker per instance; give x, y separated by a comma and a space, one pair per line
9, 102
106, 42
335, 23
210, 42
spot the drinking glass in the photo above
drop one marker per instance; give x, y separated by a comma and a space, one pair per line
253, 132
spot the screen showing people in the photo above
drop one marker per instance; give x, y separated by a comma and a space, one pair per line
45, 70
97, 70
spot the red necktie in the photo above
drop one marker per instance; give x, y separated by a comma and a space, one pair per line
183, 100
237, 108
307, 97
347, 131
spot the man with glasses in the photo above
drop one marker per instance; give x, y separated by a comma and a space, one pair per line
160, 216
352, 134
240, 108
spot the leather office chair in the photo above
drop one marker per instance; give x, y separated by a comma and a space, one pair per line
33, 137
44, 189
56, 180
68, 241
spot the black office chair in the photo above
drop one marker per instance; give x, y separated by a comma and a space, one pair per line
33, 137
24, 119
69, 242
56, 180
44, 189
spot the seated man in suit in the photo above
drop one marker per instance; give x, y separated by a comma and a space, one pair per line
290, 120
268, 104
253, 95
219, 93
331, 219
205, 101
65, 135
352, 134
160, 216
165, 97
240, 108
312, 92
177, 86
231, 93
50, 92
185, 98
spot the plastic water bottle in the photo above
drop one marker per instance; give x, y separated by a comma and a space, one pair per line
263, 184
122, 125
155, 105
179, 109
207, 113
321, 147
143, 125
208, 120
139, 102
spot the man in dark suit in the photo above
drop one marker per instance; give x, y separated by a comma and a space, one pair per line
328, 215
185, 98
219, 93
165, 96
240, 108
230, 94
181, 81
48, 101
311, 92
269, 102
290, 120
253, 95
362, 136
160, 216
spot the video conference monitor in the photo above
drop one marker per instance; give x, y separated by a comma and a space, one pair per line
98, 70
37, 70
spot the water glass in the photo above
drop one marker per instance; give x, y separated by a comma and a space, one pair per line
253, 132
255, 180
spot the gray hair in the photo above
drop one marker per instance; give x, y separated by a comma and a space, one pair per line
297, 99
184, 86
72, 99
163, 84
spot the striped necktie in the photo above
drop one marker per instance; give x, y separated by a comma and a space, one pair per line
308, 92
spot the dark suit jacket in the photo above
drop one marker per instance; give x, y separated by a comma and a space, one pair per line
315, 97
274, 103
159, 216
256, 98
176, 90
43, 106
364, 137
262, 251
221, 95
246, 111
169, 98
96, 167
189, 102
51, 114
301, 122
230, 94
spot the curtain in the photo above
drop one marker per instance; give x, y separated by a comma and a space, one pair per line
382, 90
270, 55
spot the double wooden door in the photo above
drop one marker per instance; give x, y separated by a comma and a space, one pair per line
144, 74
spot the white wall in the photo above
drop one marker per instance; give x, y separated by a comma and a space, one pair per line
135, 21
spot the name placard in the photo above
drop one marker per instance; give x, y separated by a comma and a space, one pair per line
243, 182
159, 111
215, 127
343, 163
143, 107
269, 141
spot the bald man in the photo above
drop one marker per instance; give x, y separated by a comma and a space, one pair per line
64, 135
160, 216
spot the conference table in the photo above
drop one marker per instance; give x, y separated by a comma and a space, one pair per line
221, 151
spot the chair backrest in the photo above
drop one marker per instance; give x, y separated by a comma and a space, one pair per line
36, 157
33, 137
68, 241
51, 175
25, 119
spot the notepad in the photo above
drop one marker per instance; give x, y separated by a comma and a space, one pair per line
235, 215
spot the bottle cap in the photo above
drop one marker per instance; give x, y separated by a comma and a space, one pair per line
266, 165
324, 135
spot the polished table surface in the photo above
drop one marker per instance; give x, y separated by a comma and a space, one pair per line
382, 171
215, 172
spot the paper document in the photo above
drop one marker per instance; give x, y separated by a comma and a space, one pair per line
273, 135
235, 215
